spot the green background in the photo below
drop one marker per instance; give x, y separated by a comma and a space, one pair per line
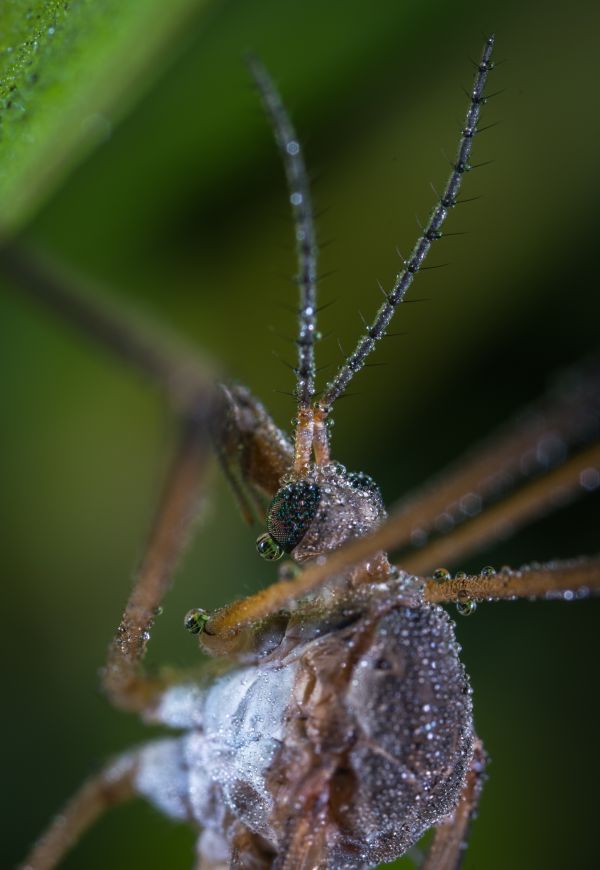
154, 175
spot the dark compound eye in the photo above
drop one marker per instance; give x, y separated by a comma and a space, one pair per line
291, 513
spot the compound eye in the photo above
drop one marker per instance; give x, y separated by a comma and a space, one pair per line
291, 513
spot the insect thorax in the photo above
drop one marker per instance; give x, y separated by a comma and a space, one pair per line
366, 708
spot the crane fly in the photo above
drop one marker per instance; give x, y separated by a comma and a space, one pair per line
336, 726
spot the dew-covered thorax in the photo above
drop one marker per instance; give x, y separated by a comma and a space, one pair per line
353, 697
383, 700
370, 692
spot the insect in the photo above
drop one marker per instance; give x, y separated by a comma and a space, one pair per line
343, 728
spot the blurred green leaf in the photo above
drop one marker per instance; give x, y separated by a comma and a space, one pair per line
66, 71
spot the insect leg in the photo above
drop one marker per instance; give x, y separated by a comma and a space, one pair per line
541, 436
249, 851
305, 846
306, 850
178, 371
562, 580
533, 500
156, 771
113, 785
450, 838
123, 678
253, 452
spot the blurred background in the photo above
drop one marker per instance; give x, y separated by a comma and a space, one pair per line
179, 211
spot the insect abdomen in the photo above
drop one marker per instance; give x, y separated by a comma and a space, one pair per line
370, 719
378, 731
410, 699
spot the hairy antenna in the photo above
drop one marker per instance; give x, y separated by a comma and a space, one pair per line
304, 230
431, 233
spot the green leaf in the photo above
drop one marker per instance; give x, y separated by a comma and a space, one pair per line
67, 70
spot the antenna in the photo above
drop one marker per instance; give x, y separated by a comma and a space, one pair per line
378, 328
311, 429
304, 230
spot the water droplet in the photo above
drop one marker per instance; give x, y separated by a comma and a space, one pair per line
195, 620
471, 504
466, 606
590, 479
268, 548
460, 575
441, 574
551, 449
488, 571
288, 571
418, 537
444, 523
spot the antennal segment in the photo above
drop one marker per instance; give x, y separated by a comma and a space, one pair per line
304, 230
431, 233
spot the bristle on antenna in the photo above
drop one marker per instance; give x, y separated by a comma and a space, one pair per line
432, 231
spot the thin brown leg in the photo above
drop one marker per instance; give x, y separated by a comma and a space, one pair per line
254, 454
534, 499
181, 372
253, 451
451, 837
113, 785
123, 679
249, 852
564, 580
305, 846
540, 438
